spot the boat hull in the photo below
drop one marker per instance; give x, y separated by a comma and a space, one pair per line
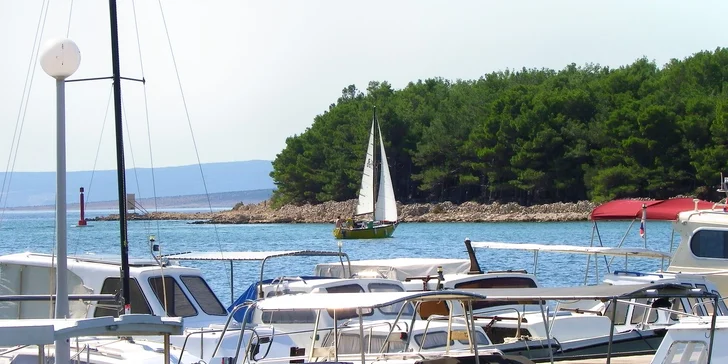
375, 232
632, 342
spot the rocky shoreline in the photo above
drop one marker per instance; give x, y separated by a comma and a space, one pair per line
262, 213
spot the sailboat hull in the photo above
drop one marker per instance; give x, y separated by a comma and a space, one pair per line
375, 232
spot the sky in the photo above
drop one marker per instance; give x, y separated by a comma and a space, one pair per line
254, 73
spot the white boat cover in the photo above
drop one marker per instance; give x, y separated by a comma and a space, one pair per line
574, 249
250, 255
396, 268
315, 301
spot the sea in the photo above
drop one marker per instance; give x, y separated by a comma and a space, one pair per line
22, 231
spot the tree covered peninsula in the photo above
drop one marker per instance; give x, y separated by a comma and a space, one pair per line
532, 136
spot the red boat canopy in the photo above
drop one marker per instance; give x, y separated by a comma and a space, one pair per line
656, 209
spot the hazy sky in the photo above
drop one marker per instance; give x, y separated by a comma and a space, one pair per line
255, 73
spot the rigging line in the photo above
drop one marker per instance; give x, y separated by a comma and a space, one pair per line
146, 117
20, 119
70, 12
98, 147
192, 134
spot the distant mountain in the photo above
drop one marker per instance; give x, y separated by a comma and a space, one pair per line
224, 200
38, 188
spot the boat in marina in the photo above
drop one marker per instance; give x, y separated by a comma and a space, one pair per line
353, 340
160, 287
577, 328
376, 195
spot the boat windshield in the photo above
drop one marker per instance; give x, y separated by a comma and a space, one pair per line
392, 309
201, 292
171, 295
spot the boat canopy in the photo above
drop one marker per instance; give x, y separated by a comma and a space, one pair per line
593, 250
251, 255
396, 268
313, 301
656, 209
46, 331
317, 301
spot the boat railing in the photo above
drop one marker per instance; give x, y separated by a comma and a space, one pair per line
495, 318
77, 357
13, 349
646, 315
703, 303
370, 328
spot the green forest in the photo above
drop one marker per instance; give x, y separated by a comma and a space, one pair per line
530, 136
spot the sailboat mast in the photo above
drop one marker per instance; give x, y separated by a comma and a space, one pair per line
120, 168
375, 169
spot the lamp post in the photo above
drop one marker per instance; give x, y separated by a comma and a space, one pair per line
60, 59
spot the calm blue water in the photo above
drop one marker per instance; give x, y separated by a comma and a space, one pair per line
34, 231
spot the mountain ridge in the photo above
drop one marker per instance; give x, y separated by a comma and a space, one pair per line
37, 189
215, 200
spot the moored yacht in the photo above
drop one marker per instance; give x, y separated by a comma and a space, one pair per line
159, 287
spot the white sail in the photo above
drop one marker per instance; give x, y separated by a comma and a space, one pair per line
366, 191
386, 209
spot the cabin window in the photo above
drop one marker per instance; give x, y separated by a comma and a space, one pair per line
112, 285
347, 313
178, 305
621, 315
432, 340
289, 317
710, 244
481, 339
394, 308
707, 303
638, 313
721, 304
499, 282
202, 293
686, 352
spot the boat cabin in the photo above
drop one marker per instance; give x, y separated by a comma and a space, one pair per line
182, 290
703, 245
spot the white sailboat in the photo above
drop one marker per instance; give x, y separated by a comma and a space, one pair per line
376, 199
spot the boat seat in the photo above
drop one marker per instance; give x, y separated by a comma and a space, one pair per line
427, 309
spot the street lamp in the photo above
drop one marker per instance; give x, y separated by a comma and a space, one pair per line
60, 58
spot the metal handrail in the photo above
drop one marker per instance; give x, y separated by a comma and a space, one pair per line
14, 349
45, 297
723, 299
659, 308
85, 349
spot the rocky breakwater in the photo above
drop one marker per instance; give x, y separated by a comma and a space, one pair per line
262, 213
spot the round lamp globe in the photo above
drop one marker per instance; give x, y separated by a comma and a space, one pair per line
60, 58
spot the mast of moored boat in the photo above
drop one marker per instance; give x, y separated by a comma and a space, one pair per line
375, 170
120, 169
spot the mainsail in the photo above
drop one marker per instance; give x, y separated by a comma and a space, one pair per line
366, 191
